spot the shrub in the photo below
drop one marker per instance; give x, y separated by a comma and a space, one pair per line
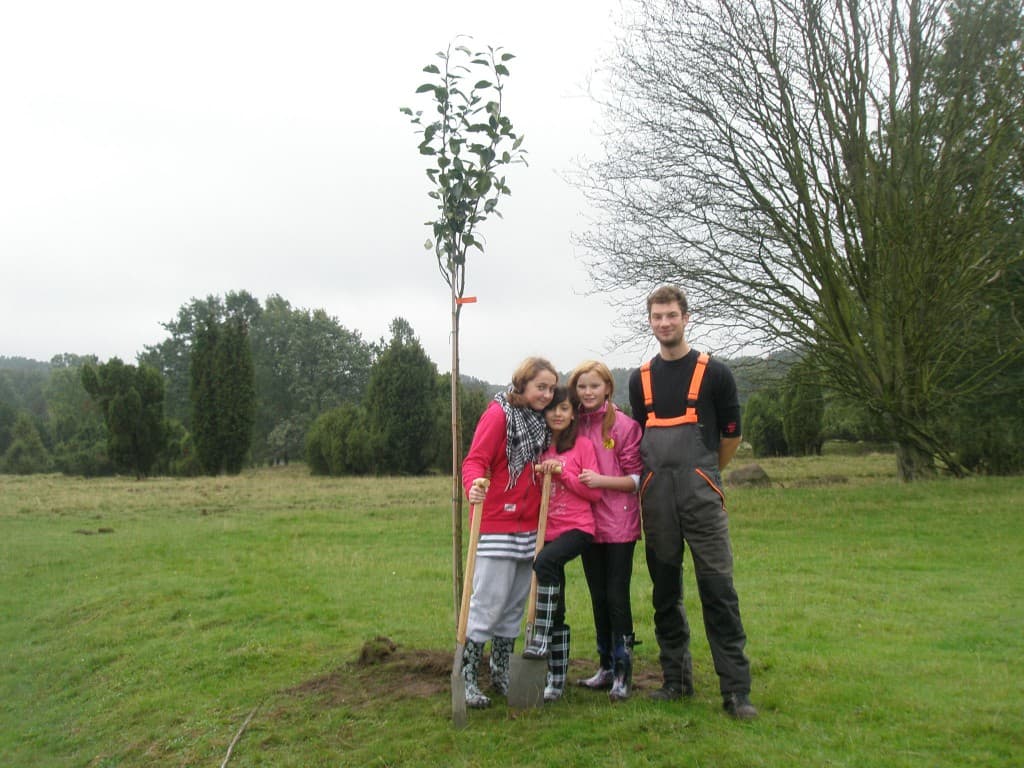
26, 455
340, 442
762, 424
84, 453
988, 432
803, 410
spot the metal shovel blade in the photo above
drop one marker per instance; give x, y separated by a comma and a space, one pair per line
527, 678
459, 719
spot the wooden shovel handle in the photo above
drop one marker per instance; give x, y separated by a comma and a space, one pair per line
542, 527
476, 512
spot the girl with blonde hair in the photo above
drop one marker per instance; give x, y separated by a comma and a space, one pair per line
608, 562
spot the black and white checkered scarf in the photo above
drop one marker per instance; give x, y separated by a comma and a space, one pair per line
526, 435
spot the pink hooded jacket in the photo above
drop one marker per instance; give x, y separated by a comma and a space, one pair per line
616, 513
571, 503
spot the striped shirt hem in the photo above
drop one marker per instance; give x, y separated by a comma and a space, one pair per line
517, 546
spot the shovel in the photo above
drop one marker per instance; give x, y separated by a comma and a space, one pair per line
527, 677
458, 682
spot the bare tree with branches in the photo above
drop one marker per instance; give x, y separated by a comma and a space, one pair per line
842, 176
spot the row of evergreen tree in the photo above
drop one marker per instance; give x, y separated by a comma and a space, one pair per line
236, 383
240, 383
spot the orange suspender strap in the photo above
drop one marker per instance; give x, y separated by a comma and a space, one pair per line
697, 380
690, 417
645, 381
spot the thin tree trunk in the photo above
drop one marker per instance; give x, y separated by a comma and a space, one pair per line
456, 464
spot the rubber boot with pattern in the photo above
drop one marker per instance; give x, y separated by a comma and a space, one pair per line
472, 654
558, 664
602, 679
623, 668
547, 601
501, 650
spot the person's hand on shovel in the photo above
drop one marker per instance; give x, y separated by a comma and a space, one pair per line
550, 467
478, 491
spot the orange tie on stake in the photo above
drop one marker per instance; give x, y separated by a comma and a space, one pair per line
466, 300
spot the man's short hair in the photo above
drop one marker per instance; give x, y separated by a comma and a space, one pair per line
667, 294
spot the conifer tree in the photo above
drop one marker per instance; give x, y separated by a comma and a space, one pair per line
132, 402
235, 394
26, 455
203, 395
400, 401
223, 395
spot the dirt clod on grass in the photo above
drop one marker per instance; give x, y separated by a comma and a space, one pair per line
376, 651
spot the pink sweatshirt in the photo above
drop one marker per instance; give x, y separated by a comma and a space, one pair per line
571, 503
616, 513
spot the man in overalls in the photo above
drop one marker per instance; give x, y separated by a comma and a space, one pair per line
690, 413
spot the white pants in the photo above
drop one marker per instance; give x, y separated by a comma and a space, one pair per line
501, 587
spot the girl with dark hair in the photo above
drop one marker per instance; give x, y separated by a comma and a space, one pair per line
569, 531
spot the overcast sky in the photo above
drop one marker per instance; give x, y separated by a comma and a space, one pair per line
155, 152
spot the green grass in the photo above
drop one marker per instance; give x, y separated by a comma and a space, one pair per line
885, 627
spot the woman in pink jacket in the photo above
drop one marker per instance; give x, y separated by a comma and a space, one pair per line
508, 440
608, 562
569, 531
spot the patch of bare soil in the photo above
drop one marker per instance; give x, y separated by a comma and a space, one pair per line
385, 671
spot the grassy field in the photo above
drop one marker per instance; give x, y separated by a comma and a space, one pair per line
141, 623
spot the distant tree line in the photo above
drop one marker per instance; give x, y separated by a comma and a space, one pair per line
402, 425
238, 383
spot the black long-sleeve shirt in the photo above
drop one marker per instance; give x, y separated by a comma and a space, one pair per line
718, 405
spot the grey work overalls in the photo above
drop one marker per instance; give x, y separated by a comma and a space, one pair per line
681, 501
